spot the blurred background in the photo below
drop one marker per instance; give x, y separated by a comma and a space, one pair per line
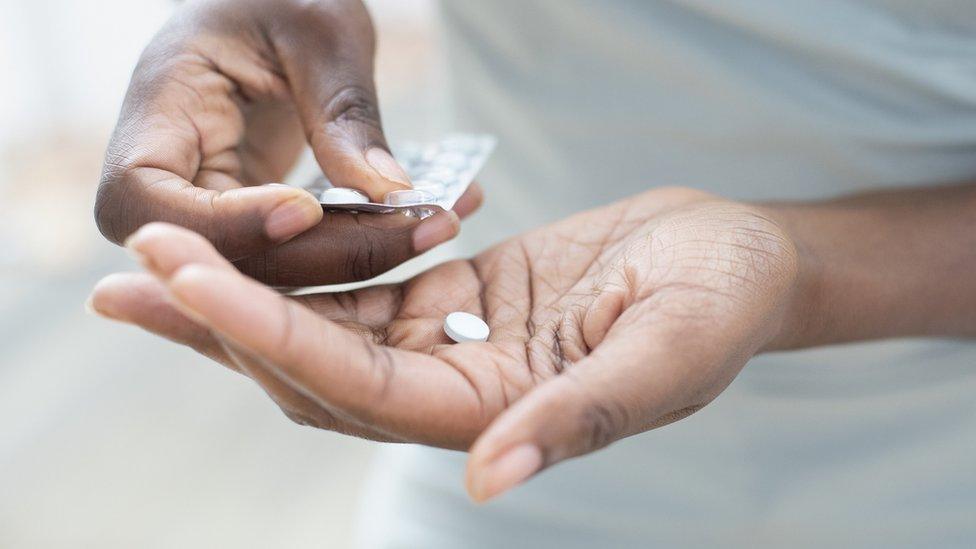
111, 437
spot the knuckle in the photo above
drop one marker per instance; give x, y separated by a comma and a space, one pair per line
234, 231
213, 227
384, 370
356, 265
353, 104
326, 22
371, 255
262, 267
599, 422
292, 346
351, 112
599, 426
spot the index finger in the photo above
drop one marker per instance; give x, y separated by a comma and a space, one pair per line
406, 394
346, 247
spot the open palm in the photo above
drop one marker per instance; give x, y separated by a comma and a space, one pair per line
606, 324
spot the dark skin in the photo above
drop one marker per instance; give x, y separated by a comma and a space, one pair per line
609, 323
222, 102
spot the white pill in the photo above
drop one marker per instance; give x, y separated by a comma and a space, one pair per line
408, 197
342, 195
461, 327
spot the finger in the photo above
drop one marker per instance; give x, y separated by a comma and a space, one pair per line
347, 247
296, 406
636, 380
387, 389
352, 247
331, 78
141, 299
238, 221
334, 367
173, 158
163, 248
470, 201
343, 248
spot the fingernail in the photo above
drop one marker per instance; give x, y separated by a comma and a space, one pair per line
506, 471
435, 230
90, 309
292, 217
384, 163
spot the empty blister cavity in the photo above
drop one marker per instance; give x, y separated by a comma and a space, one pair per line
409, 197
342, 195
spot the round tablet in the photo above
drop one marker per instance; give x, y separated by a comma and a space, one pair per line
461, 327
342, 195
408, 197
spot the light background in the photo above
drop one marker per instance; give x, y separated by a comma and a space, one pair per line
111, 437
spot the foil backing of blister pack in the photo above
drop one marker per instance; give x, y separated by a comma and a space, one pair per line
443, 168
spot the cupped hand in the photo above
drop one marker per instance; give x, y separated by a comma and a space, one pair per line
607, 324
222, 102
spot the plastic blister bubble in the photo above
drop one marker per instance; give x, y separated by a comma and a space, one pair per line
441, 171
409, 197
342, 195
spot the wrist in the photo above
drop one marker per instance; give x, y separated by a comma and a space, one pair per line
878, 265
802, 320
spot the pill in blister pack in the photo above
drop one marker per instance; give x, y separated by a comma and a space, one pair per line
342, 195
440, 172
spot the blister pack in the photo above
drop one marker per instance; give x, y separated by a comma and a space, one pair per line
440, 171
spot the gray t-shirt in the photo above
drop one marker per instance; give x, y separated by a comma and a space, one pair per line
870, 444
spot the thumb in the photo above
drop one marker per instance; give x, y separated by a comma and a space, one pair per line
329, 67
239, 221
626, 386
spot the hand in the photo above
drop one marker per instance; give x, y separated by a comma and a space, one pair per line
609, 323
222, 102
